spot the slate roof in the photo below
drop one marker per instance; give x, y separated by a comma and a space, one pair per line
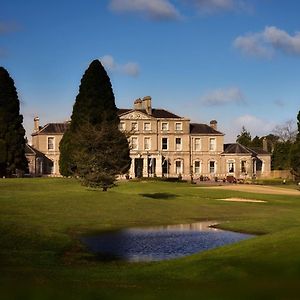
54, 128
156, 113
203, 129
236, 148
29, 150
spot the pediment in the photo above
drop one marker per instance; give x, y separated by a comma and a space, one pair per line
135, 115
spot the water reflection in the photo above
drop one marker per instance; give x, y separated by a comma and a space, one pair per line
160, 243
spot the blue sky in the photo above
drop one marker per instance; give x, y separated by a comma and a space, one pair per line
235, 61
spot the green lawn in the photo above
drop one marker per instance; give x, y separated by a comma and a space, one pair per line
41, 257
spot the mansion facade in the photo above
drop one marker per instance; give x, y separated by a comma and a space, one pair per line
161, 144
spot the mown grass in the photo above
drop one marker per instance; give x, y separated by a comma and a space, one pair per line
41, 256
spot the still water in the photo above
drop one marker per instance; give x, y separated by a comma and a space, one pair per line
160, 243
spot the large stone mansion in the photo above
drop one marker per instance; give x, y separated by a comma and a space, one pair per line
162, 144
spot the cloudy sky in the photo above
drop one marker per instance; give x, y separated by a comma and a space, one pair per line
236, 61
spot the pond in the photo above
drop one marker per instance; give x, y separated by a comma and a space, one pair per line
160, 243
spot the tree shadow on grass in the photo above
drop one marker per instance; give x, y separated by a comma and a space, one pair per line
159, 196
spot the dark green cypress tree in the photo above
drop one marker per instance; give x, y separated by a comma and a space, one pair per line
95, 109
12, 140
295, 152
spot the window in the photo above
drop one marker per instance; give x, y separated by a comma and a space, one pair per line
212, 167
197, 144
212, 144
134, 143
178, 167
164, 126
164, 143
134, 126
178, 144
197, 169
243, 166
147, 143
165, 165
178, 126
50, 143
147, 126
230, 166
122, 126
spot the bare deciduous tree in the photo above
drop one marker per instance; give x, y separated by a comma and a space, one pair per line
286, 132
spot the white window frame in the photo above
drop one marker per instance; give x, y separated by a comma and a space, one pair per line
122, 126
145, 129
246, 166
212, 146
136, 127
181, 166
147, 138
167, 126
200, 167
162, 143
53, 143
195, 144
215, 167
180, 126
137, 143
179, 145
231, 166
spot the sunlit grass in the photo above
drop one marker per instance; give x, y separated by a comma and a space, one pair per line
41, 220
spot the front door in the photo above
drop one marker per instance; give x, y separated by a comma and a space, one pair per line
138, 167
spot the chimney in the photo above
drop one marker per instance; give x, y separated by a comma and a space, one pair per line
36, 126
138, 104
265, 144
214, 124
147, 104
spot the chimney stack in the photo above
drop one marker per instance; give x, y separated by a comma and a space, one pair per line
265, 144
214, 124
36, 124
138, 104
147, 104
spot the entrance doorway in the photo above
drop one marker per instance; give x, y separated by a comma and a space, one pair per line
138, 167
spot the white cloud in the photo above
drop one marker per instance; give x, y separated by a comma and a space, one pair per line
265, 43
212, 6
130, 68
253, 45
153, 9
255, 125
223, 96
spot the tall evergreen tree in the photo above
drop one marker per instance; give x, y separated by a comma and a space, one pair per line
295, 152
244, 138
94, 110
12, 141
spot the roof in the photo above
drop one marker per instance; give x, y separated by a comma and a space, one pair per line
236, 148
156, 113
203, 129
29, 150
54, 128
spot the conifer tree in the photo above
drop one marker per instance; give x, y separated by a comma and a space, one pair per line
244, 138
12, 141
94, 115
295, 152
